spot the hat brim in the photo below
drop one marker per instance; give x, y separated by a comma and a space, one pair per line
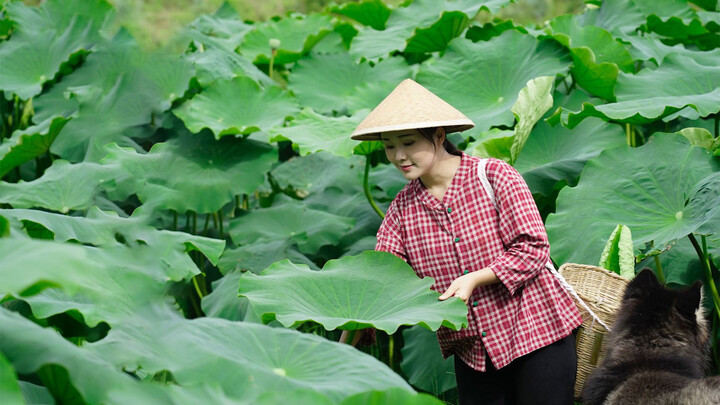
373, 134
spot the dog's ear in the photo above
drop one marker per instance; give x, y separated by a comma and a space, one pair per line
642, 284
688, 300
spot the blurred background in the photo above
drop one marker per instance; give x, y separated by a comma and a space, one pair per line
155, 22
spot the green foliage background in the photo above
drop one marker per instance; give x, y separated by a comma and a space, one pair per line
184, 219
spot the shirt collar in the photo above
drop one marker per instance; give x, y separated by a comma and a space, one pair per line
460, 178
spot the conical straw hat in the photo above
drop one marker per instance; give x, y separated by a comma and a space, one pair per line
410, 106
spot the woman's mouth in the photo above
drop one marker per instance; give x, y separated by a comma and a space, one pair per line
405, 168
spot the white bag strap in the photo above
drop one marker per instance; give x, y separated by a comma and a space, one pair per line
491, 194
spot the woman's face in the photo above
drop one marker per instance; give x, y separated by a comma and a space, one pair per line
412, 153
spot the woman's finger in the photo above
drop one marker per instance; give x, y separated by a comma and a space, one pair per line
448, 293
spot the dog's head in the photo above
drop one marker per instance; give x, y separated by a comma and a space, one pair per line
658, 317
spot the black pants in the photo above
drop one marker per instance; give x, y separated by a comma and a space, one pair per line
545, 376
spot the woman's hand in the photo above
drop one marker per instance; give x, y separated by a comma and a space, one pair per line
463, 286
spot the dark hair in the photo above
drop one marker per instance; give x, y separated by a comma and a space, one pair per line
429, 134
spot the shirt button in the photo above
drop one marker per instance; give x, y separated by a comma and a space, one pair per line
475, 303
483, 334
449, 210
466, 271
457, 239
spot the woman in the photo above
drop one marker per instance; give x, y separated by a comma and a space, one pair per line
519, 346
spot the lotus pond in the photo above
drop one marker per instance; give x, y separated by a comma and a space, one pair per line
198, 227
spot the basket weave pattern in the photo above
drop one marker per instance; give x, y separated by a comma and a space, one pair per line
602, 291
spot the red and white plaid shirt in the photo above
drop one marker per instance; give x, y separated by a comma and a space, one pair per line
528, 308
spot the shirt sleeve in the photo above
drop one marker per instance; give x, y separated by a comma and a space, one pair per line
389, 236
521, 228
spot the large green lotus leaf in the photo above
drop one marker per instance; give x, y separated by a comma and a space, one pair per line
218, 64
299, 176
485, 32
596, 55
659, 199
373, 289
310, 229
30, 348
677, 27
404, 25
105, 229
257, 256
29, 143
347, 204
619, 17
244, 359
297, 34
388, 179
483, 79
672, 18
44, 38
63, 187
339, 191
223, 29
36, 394
224, 302
102, 284
368, 12
9, 387
649, 47
391, 397
436, 37
685, 83
423, 363
192, 172
341, 78
554, 154
664, 8
237, 106
118, 82
313, 132
215, 39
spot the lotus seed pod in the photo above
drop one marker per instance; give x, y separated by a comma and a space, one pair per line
274, 43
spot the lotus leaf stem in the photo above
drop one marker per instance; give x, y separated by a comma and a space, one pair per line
197, 287
220, 221
366, 188
207, 222
705, 260
194, 223
391, 350
658, 266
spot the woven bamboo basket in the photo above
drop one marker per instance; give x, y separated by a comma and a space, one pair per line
602, 291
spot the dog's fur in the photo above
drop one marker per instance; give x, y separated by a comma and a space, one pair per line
657, 352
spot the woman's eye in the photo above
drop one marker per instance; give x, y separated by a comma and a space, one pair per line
389, 147
409, 143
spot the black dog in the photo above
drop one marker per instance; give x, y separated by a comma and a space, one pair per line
657, 353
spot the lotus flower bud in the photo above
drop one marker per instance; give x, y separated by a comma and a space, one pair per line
274, 43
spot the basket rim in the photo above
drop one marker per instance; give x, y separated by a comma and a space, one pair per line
593, 268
